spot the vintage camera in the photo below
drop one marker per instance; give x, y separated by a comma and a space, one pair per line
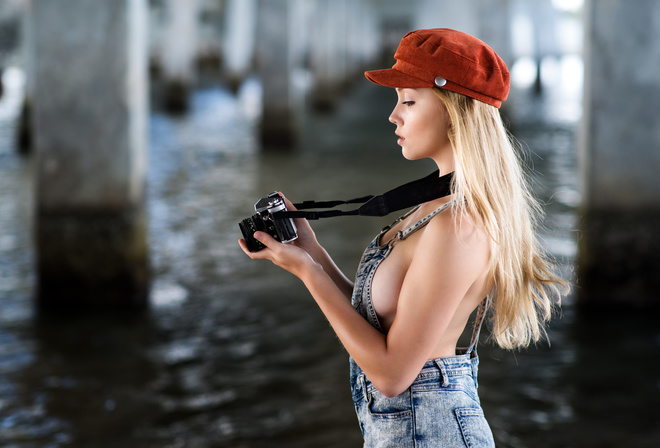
282, 229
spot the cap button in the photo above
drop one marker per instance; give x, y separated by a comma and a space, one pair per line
440, 81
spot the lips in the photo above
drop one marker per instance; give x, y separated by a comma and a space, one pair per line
400, 140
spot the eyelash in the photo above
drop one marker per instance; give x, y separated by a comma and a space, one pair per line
408, 103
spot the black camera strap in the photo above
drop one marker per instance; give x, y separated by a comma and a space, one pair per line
408, 195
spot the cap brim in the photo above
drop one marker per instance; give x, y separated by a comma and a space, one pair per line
391, 77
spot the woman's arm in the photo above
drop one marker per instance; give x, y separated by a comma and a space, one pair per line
307, 241
344, 285
441, 273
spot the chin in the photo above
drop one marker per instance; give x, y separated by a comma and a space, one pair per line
409, 155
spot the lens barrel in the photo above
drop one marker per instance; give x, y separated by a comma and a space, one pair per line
248, 226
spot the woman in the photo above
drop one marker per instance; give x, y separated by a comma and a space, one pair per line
421, 278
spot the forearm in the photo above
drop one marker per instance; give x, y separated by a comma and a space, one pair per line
342, 282
364, 343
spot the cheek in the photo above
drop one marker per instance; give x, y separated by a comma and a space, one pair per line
435, 135
443, 136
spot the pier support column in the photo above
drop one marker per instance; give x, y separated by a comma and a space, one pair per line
328, 53
239, 40
24, 127
461, 16
364, 42
619, 243
90, 122
179, 53
495, 17
279, 125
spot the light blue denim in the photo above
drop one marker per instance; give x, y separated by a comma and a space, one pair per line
441, 408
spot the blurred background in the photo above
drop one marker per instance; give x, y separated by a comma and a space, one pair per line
135, 135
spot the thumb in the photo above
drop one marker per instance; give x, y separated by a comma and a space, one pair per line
264, 238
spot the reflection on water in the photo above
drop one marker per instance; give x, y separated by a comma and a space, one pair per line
234, 353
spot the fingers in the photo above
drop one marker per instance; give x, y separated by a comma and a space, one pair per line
301, 223
243, 245
264, 239
289, 204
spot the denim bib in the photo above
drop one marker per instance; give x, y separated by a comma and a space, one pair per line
441, 407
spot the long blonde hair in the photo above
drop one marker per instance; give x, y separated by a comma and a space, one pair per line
489, 175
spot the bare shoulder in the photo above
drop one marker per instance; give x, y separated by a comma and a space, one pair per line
455, 238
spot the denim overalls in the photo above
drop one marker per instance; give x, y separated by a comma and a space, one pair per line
441, 408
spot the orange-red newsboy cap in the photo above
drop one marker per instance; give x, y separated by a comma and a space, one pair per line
448, 59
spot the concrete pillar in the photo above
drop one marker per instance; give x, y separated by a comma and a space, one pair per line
368, 42
274, 54
24, 128
239, 40
544, 17
494, 18
90, 122
361, 44
619, 243
301, 13
328, 55
179, 52
461, 15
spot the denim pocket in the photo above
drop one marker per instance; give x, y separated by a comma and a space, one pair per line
390, 408
386, 422
474, 428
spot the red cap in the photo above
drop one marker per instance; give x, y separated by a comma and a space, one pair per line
450, 60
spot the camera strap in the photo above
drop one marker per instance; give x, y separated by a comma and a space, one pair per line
405, 196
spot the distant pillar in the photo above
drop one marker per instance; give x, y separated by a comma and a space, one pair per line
495, 18
328, 53
179, 52
459, 15
239, 40
24, 129
619, 242
365, 42
275, 60
544, 18
90, 122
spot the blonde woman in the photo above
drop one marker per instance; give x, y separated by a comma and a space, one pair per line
422, 277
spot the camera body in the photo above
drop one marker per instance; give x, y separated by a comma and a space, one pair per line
282, 229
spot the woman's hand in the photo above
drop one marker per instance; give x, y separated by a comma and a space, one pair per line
288, 256
302, 255
306, 236
295, 256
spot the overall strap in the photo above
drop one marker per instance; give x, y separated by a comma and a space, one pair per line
405, 233
478, 322
399, 219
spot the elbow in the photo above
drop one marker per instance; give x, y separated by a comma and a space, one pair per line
391, 387
393, 378
394, 392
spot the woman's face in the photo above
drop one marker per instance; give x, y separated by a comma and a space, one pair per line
422, 124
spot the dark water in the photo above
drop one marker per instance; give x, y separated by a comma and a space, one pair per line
235, 353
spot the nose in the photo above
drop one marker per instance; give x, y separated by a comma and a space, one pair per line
394, 118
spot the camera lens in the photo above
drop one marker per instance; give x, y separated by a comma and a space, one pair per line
248, 226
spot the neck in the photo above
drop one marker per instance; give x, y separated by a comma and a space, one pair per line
445, 161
